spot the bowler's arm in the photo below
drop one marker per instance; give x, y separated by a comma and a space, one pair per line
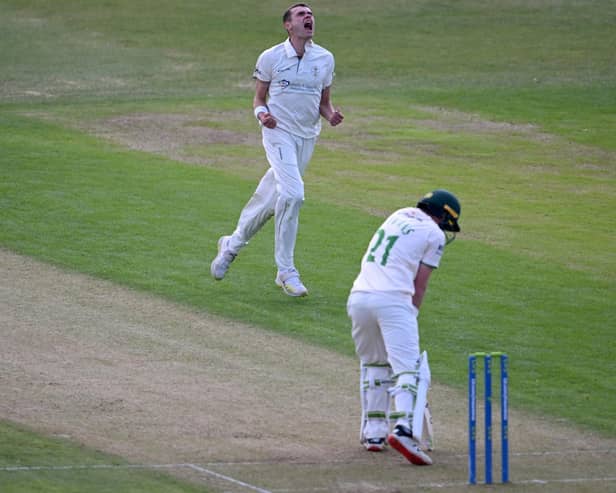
327, 110
260, 99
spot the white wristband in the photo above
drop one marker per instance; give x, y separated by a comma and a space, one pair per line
260, 109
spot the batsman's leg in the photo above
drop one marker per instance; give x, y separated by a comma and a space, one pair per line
374, 382
402, 439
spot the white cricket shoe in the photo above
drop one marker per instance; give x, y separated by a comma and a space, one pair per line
222, 261
402, 440
374, 444
291, 283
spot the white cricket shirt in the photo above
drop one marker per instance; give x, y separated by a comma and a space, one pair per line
407, 238
296, 85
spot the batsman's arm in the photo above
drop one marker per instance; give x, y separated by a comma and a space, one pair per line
421, 283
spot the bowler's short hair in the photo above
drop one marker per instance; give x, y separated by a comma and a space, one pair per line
287, 13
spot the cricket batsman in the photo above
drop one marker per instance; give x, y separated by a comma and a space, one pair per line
383, 306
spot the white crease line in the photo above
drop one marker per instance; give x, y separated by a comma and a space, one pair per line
194, 467
523, 481
203, 470
91, 466
277, 462
566, 452
462, 484
226, 478
444, 459
568, 480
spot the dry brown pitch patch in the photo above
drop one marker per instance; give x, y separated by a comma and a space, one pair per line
155, 382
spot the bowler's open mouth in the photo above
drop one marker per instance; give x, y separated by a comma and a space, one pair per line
308, 25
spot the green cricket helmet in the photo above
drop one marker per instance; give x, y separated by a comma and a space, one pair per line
445, 206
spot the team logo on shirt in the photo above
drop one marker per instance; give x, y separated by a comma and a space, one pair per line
284, 83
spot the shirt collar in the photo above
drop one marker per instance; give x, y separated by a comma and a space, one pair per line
290, 51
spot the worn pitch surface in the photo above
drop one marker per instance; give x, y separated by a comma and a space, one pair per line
232, 406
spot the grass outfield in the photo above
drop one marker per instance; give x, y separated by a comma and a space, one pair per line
64, 467
511, 105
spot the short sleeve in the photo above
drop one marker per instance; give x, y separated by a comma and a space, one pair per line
434, 249
329, 80
263, 69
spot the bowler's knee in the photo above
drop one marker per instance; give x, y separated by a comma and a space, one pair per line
292, 199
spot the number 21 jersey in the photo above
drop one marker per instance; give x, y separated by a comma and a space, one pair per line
407, 238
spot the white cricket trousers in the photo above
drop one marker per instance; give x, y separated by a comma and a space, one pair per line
385, 331
280, 193
384, 328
